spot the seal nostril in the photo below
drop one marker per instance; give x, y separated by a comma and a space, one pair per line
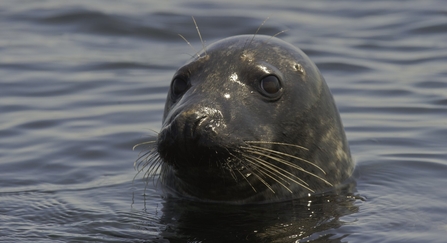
198, 124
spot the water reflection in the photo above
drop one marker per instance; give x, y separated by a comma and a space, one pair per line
302, 220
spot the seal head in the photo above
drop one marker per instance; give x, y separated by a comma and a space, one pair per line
251, 119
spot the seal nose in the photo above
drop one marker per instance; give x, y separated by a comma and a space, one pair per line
207, 121
199, 126
191, 130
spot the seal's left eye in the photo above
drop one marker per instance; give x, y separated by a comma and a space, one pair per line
270, 85
179, 86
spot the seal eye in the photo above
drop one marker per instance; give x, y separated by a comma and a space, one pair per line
178, 86
270, 85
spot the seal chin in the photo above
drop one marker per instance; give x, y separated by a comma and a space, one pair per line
249, 120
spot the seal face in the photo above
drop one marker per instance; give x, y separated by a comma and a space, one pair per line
250, 119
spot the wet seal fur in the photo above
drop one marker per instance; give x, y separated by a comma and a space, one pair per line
249, 119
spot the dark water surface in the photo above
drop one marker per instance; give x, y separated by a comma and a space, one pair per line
81, 82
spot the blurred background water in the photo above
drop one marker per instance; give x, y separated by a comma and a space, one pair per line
82, 82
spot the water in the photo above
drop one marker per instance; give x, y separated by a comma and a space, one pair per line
82, 82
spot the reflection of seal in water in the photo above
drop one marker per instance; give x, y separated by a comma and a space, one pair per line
250, 119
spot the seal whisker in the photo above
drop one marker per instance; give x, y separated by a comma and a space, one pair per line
272, 167
197, 53
275, 35
263, 181
142, 168
288, 163
200, 35
150, 165
139, 144
151, 171
154, 166
269, 174
278, 169
290, 156
150, 161
233, 175
278, 143
271, 37
227, 163
249, 183
142, 159
145, 157
252, 170
285, 162
268, 165
259, 28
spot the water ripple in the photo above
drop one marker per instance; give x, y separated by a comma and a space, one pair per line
81, 83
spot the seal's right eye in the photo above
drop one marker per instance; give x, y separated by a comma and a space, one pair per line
270, 85
179, 86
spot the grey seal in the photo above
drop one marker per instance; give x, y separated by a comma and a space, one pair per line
249, 119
